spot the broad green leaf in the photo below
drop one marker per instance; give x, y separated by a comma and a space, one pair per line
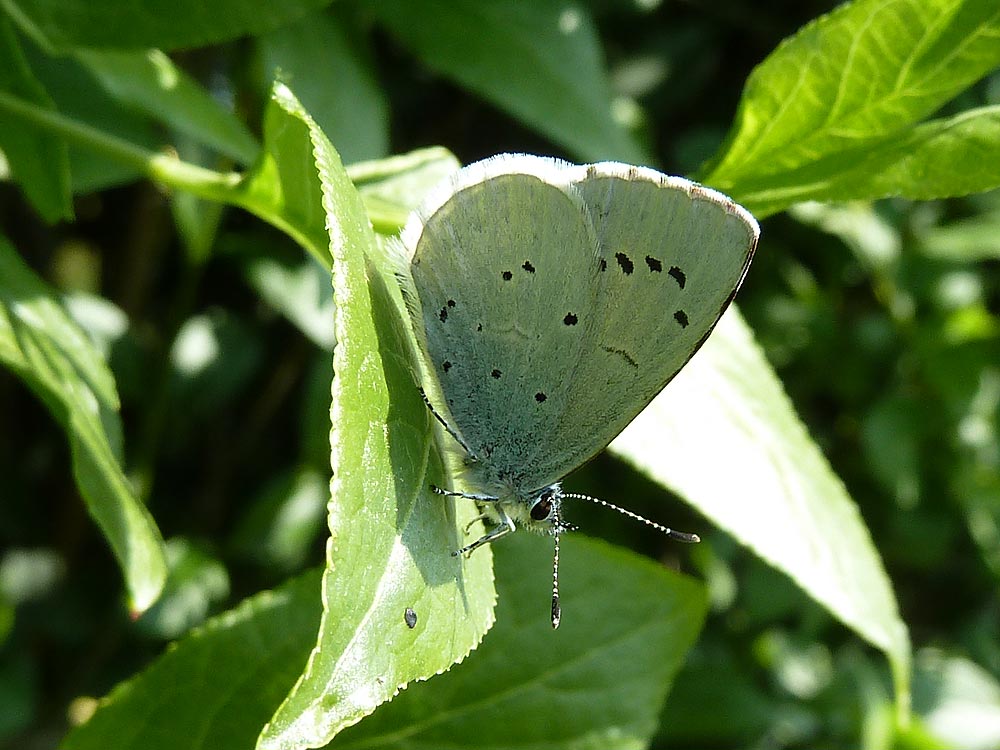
936, 159
38, 160
833, 113
540, 61
341, 93
55, 359
159, 23
391, 538
598, 682
724, 436
217, 686
149, 81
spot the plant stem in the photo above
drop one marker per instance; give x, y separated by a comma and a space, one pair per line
163, 168
168, 170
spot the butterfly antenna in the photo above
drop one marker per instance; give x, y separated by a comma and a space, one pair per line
556, 610
680, 536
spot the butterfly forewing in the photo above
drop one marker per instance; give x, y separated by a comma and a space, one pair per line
671, 256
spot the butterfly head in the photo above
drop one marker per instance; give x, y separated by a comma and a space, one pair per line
545, 511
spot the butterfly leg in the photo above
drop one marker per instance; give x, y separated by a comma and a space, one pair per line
447, 427
503, 528
477, 498
474, 521
468, 495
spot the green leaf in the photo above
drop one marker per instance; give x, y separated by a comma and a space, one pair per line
937, 159
725, 437
342, 94
158, 23
55, 359
593, 681
393, 187
197, 581
599, 681
38, 160
967, 240
282, 187
833, 113
957, 700
150, 82
540, 61
79, 97
300, 291
281, 525
216, 687
391, 538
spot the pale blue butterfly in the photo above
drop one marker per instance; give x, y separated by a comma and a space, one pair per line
552, 303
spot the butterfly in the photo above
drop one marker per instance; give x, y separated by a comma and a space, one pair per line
552, 302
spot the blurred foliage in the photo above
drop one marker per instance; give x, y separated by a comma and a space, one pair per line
213, 329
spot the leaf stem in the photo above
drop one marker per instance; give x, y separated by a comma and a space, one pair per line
164, 168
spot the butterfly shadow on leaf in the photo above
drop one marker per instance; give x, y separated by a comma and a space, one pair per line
427, 523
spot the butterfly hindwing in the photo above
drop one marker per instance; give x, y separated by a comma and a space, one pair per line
503, 272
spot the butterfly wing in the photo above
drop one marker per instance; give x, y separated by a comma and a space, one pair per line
555, 301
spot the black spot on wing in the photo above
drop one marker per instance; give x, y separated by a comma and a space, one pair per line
625, 263
681, 317
443, 315
678, 276
654, 264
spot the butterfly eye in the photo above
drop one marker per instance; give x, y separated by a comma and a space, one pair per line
542, 508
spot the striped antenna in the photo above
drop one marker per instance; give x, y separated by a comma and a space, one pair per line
556, 611
680, 536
